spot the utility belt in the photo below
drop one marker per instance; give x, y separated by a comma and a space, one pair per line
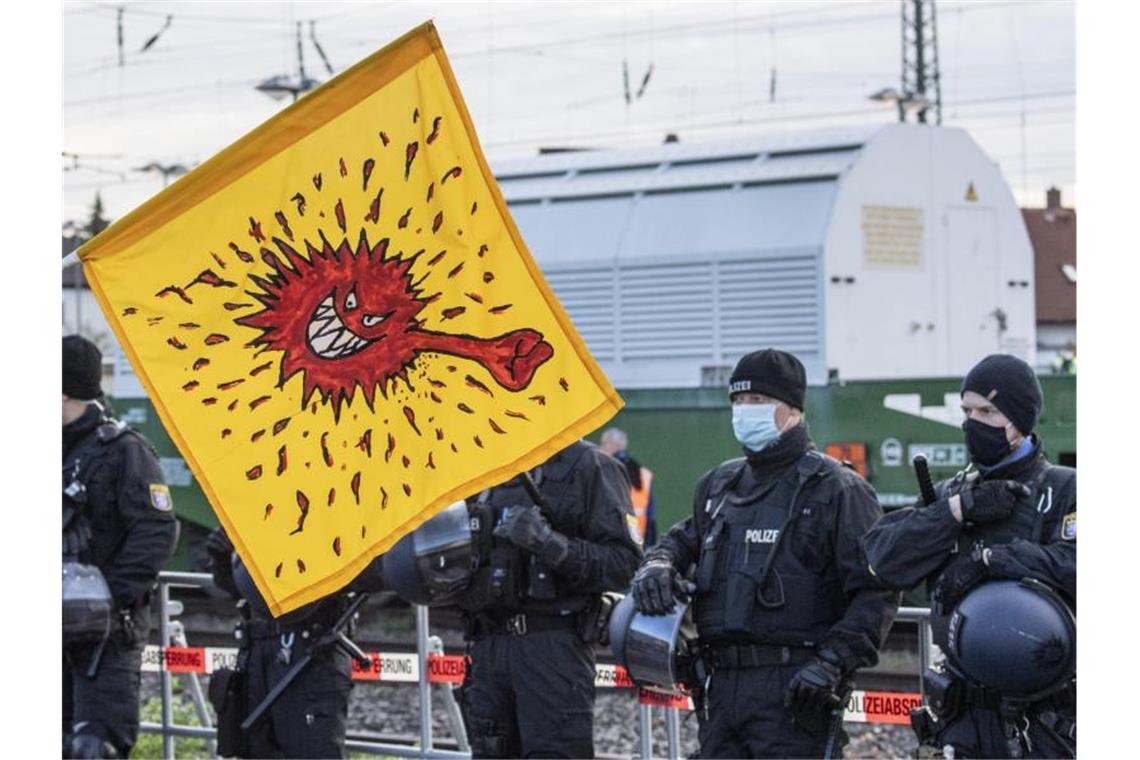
263, 629
256, 628
483, 624
948, 695
729, 656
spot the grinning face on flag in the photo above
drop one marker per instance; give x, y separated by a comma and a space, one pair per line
340, 326
346, 317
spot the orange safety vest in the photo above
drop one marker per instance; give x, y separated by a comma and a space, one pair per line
640, 497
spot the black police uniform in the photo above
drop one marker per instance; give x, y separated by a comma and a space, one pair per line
781, 577
1038, 540
529, 690
117, 516
309, 718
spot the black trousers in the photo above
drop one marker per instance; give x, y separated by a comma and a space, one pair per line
746, 717
531, 696
106, 706
309, 719
977, 732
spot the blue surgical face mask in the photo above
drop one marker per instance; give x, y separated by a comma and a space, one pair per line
755, 425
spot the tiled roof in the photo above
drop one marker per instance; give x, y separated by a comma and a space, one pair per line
1053, 234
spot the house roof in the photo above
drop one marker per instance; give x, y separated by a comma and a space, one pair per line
1053, 234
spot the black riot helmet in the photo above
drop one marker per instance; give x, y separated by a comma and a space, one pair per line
1018, 638
433, 564
656, 650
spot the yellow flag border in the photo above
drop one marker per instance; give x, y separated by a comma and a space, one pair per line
277, 134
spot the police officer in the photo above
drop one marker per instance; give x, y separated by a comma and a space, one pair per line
1010, 514
784, 606
615, 442
309, 718
533, 609
117, 517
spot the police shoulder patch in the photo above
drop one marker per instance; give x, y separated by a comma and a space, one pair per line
160, 497
634, 529
1069, 527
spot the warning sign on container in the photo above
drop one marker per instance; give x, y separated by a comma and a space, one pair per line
892, 236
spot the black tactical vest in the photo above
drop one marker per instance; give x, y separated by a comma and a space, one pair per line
76, 473
1035, 518
763, 574
509, 579
84, 486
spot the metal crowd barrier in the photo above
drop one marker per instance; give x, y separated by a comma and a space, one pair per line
173, 634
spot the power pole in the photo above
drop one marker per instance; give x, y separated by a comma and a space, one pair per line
921, 80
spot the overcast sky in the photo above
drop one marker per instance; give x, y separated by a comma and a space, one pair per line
551, 74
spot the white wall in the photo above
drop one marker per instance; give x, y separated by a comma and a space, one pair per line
930, 315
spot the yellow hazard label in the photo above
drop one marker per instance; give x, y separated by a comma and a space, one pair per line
971, 193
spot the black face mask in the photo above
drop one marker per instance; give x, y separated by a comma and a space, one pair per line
987, 444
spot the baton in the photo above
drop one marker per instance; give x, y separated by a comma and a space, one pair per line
533, 492
836, 724
333, 636
925, 486
833, 732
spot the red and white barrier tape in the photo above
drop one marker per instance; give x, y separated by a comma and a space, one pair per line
404, 667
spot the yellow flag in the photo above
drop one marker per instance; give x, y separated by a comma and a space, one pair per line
341, 326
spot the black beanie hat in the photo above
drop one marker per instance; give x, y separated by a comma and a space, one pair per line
1009, 384
82, 368
774, 373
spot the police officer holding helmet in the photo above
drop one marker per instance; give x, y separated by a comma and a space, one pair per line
784, 607
118, 531
1009, 515
533, 608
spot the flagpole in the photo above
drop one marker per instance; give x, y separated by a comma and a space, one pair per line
70, 259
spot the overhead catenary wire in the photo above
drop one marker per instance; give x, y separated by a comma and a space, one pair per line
155, 37
520, 123
317, 45
788, 20
781, 118
792, 118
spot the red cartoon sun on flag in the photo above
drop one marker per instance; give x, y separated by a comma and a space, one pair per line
348, 317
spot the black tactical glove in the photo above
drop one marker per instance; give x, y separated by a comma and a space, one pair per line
652, 587
959, 578
90, 746
526, 528
219, 550
816, 689
991, 500
76, 539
